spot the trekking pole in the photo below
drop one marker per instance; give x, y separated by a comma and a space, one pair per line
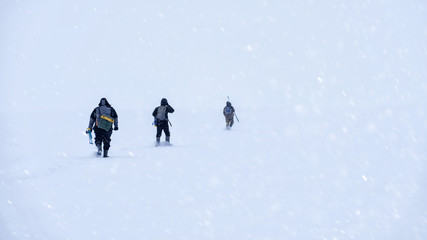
170, 123
228, 98
236, 117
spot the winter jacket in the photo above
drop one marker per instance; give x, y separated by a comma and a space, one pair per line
232, 109
169, 109
104, 108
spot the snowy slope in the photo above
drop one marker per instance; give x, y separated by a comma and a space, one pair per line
330, 95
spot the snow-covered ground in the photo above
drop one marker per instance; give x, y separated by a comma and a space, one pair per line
331, 98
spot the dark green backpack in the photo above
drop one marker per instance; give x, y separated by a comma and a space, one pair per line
105, 123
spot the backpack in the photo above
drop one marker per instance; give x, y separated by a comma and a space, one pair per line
161, 113
104, 122
228, 110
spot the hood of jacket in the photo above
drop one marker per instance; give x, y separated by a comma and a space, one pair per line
104, 102
164, 102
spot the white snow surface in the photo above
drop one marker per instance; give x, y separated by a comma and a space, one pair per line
331, 98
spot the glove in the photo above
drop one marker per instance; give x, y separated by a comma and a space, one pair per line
88, 130
116, 128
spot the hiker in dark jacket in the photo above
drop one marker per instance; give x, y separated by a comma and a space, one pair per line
228, 112
103, 117
160, 115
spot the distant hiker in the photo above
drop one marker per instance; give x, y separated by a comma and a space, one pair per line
161, 120
229, 115
103, 117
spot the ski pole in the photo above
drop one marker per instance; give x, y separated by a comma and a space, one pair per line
228, 98
170, 123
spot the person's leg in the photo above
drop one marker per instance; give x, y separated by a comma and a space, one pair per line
159, 133
98, 140
107, 140
228, 119
167, 133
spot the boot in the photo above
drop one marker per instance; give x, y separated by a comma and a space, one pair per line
105, 153
99, 150
157, 142
168, 141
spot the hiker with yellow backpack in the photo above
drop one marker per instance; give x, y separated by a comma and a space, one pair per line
103, 117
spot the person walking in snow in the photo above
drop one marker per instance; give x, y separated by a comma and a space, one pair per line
101, 121
161, 120
229, 115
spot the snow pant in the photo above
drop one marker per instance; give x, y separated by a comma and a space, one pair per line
229, 120
102, 136
163, 126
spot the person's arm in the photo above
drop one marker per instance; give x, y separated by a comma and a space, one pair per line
92, 119
115, 118
170, 109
